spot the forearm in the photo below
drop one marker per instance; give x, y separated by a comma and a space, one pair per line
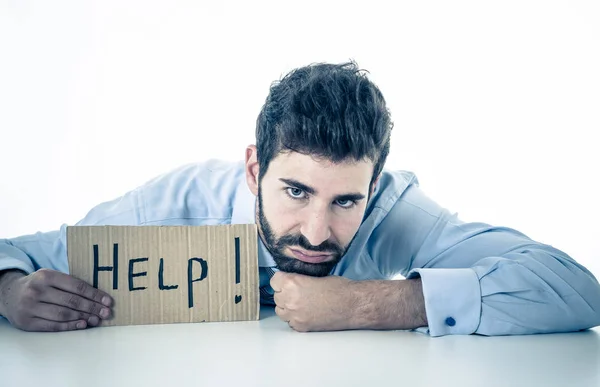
20, 253
538, 291
520, 293
389, 304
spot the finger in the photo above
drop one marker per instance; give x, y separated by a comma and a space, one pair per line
281, 313
279, 299
76, 286
277, 281
43, 325
75, 302
59, 313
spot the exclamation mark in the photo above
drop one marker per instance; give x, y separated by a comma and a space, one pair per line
238, 298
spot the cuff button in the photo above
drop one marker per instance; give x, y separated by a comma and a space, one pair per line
450, 322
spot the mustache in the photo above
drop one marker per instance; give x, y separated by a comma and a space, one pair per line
300, 240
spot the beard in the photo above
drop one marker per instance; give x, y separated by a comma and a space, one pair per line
276, 247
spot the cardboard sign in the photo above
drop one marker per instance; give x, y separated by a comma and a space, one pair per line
170, 274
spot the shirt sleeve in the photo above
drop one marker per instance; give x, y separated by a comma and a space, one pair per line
482, 279
193, 194
29, 253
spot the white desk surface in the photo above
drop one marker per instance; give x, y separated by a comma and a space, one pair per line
269, 353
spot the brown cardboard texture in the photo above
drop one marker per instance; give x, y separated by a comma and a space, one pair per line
170, 274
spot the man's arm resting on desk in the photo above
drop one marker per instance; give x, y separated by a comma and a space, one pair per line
479, 278
337, 303
48, 300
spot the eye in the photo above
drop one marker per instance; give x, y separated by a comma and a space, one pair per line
345, 203
295, 193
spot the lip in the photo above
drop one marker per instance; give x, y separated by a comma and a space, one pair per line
310, 258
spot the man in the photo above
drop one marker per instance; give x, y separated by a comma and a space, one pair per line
335, 230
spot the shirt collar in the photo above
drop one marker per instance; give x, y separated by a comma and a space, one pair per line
244, 210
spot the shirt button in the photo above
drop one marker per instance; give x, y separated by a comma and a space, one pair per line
450, 322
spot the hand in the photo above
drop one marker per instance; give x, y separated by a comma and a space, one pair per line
313, 303
50, 301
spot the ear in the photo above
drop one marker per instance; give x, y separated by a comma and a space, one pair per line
374, 185
252, 169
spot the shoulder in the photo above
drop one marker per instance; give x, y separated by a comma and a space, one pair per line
391, 186
209, 172
399, 192
202, 190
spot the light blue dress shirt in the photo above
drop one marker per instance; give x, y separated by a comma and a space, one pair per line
476, 278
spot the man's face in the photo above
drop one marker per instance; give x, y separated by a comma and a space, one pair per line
310, 209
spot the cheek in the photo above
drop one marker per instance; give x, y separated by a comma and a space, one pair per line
346, 227
280, 217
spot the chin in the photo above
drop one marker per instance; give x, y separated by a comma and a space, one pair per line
294, 265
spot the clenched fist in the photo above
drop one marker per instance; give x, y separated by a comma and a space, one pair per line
51, 301
314, 303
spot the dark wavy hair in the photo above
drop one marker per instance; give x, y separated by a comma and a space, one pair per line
325, 110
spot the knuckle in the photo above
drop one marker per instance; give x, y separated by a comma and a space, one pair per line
93, 308
303, 321
81, 287
290, 284
299, 325
59, 327
48, 326
42, 275
95, 294
74, 301
292, 303
63, 314
70, 326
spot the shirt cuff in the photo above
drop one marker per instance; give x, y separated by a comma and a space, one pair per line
9, 263
452, 300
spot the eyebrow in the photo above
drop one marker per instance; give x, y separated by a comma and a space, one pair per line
352, 196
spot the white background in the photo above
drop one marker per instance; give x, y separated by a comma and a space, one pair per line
496, 104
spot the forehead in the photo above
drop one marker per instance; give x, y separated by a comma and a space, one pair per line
321, 173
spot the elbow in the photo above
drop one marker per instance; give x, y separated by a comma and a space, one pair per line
527, 296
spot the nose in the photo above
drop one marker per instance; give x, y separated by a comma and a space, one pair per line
316, 227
